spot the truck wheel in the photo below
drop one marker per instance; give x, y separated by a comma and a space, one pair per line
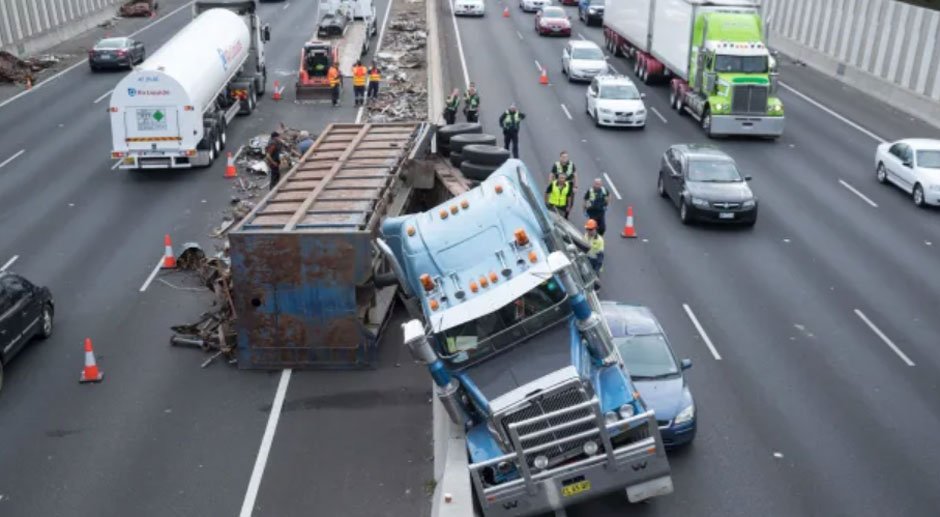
476, 172
456, 158
707, 122
458, 142
252, 98
488, 155
445, 133
679, 105
261, 81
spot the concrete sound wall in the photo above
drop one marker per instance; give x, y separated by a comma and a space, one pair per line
887, 48
32, 26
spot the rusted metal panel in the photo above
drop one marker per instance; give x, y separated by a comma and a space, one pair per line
303, 260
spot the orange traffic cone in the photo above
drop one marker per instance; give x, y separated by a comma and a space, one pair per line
629, 231
506, 12
29, 82
277, 91
169, 259
230, 171
543, 79
90, 373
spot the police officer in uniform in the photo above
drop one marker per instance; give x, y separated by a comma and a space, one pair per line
596, 200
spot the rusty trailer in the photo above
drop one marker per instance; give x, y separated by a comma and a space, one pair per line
304, 262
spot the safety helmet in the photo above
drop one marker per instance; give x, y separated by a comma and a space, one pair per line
591, 224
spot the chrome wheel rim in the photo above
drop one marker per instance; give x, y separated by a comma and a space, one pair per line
46, 322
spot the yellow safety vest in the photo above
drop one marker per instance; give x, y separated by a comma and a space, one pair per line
559, 196
333, 77
374, 76
359, 76
597, 245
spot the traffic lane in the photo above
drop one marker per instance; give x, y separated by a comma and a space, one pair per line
159, 435
549, 134
73, 92
354, 443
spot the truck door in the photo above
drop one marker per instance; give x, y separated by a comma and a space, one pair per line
152, 127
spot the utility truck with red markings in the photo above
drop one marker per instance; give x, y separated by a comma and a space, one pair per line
713, 54
173, 110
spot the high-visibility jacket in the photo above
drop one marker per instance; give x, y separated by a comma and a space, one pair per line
567, 169
333, 76
452, 102
472, 101
374, 75
359, 76
559, 196
596, 200
511, 121
597, 245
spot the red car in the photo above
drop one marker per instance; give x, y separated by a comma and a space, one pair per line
568, 2
552, 21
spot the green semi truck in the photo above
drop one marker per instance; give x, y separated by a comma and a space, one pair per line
713, 55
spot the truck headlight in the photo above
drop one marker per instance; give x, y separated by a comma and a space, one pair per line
590, 447
748, 204
719, 106
686, 415
626, 411
776, 108
701, 203
540, 462
610, 417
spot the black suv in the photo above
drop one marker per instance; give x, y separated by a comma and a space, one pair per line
591, 11
26, 310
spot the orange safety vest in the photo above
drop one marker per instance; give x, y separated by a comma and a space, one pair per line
359, 76
333, 76
374, 75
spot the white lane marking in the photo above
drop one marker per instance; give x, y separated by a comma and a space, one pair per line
859, 194
255, 483
701, 331
116, 165
463, 58
612, 186
10, 159
613, 68
153, 274
83, 61
9, 262
105, 94
582, 36
567, 113
519, 34
359, 113
285, 6
658, 114
883, 337
538, 65
831, 112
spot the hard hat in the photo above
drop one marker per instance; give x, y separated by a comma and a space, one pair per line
591, 224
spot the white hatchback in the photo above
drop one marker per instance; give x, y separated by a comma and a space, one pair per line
613, 100
469, 8
914, 166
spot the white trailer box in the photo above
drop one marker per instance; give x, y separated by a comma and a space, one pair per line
672, 28
157, 109
631, 20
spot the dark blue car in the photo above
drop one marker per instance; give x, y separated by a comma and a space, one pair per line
657, 374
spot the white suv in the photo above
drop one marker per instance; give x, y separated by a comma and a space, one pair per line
613, 100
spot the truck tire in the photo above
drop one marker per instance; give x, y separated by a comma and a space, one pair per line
458, 142
445, 133
475, 171
707, 123
443, 149
261, 82
456, 159
489, 155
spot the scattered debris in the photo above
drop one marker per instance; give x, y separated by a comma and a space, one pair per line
403, 94
215, 330
16, 70
138, 8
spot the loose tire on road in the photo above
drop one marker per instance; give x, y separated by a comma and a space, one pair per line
475, 171
456, 159
485, 154
458, 142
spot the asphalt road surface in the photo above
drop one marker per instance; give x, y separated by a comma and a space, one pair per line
160, 436
809, 410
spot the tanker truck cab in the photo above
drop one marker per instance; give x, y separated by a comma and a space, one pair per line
520, 355
173, 110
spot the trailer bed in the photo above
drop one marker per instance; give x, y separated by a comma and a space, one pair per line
352, 46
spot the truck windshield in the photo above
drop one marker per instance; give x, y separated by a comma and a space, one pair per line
741, 64
527, 315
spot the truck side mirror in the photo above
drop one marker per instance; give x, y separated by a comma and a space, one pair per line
266, 33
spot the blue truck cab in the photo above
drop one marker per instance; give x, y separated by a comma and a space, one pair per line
506, 320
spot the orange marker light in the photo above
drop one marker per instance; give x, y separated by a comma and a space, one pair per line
443, 214
434, 305
533, 257
484, 282
521, 238
465, 204
411, 231
454, 209
493, 277
426, 282
473, 287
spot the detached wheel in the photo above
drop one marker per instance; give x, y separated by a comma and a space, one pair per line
47, 322
881, 174
476, 171
456, 159
489, 155
445, 133
458, 142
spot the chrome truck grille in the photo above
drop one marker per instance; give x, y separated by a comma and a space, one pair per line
749, 99
554, 428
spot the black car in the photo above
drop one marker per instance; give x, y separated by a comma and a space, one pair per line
591, 11
116, 53
705, 184
26, 311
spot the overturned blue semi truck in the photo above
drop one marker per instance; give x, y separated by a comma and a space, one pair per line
506, 319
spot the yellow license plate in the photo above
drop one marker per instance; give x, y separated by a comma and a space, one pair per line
575, 488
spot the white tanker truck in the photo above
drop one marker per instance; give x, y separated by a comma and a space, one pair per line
172, 111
